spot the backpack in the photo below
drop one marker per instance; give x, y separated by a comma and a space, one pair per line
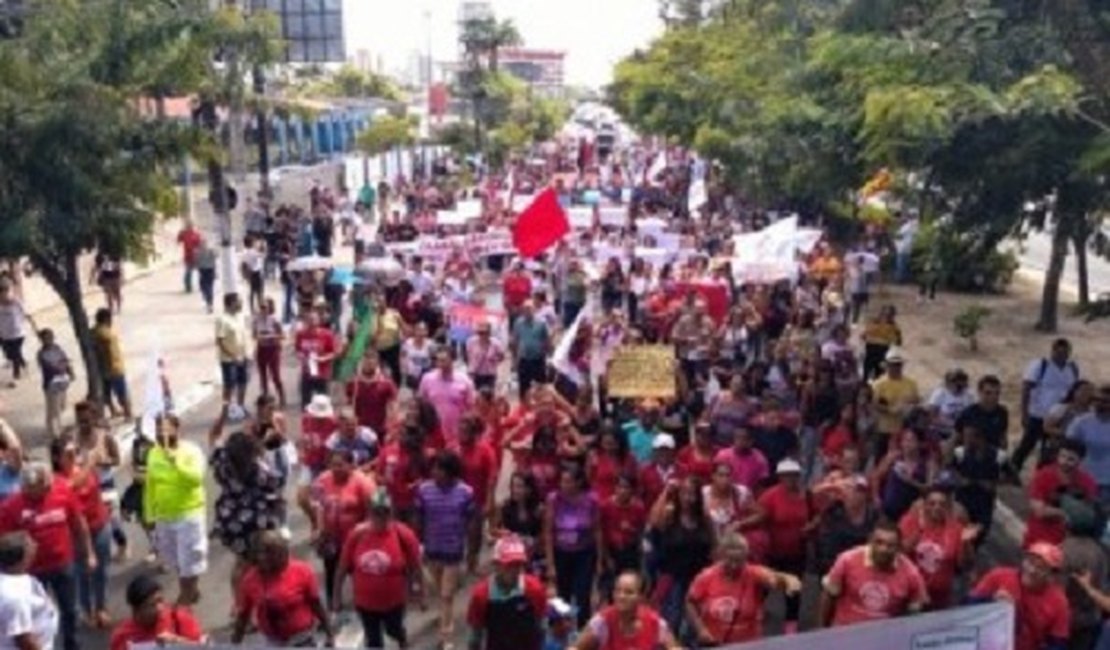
1044, 368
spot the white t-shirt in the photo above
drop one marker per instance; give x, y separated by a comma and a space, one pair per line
950, 404
232, 332
253, 260
25, 607
418, 359
12, 318
1049, 387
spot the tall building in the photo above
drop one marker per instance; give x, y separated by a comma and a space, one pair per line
542, 70
475, 10
312, 29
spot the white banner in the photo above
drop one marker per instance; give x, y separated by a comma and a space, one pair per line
581, 217
982, 627
613, 216
470, 209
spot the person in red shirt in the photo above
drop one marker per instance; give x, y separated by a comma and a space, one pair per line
872, 582
282, 596
627, 624
479, 471
152, 621
1047, 522
506, 611
316, 347
372, 394
340, 498
516, 288
786, 513
190, 239
47, 511
401, 466
697, 458
938, 544
725, 602
317, 425
608, 462
623, 520
92, 582
382, 555
1043, 620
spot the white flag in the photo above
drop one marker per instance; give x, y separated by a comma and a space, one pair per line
560, 359
699, 195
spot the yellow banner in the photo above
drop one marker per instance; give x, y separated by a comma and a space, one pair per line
642, 371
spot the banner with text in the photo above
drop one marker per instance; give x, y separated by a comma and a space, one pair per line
464, 318
982, 627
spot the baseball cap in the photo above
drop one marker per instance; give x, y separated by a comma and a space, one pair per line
788, 466
663, 441
1049, 553
894, 355
509, 550
558, 610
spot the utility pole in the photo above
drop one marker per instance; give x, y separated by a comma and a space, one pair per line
262, 117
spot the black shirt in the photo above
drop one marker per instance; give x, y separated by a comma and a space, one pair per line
992, 423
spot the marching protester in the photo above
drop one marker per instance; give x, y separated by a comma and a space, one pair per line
627, 623
152, 620
1045, 619
28, 616
507, 610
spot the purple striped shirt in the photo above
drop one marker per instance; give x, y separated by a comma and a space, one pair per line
445, 514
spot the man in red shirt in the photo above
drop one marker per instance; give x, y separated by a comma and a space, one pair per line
151, 621
316, 347
48, 512
938, 543
1044, 616
872, 582
190, 240
725, 601
372, 395
1047, 521
506, 610
516, 289
479, 471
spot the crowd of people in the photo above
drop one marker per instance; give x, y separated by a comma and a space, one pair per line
796, 447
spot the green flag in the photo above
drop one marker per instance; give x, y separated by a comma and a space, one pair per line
348, 366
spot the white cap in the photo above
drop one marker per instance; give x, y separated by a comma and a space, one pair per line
320, 406
788, 466
663, 441
894, 355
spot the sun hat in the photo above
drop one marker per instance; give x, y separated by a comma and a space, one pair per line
320, 407
663, 441
788, 466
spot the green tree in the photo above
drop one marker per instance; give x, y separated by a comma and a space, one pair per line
386, 133
83, 168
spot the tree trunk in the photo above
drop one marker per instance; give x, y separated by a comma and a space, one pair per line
1050, 297
66, 282
1079, 241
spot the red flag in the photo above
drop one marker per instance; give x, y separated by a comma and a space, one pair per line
540, 225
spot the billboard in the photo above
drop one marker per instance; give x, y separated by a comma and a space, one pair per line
312, 29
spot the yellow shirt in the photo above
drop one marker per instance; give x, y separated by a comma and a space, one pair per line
231, 337
898, 395
174, 487
882, 333
108, 350
389, 329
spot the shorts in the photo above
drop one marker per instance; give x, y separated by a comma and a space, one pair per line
115, 385
183, 545
234, 373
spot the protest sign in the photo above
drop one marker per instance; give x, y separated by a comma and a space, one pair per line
613, 216
450, 218
581, 217
479, 244
714, 294
982, 627
470, 209
642, 371
520, 202
463, 319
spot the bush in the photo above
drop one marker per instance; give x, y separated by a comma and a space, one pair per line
962, 262
968, 323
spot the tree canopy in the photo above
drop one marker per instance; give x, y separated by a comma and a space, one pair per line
980, 107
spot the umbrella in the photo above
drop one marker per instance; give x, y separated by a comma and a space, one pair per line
870, 261
386, 270
310, 263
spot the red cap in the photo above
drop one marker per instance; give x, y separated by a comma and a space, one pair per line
510, 550
1050, 553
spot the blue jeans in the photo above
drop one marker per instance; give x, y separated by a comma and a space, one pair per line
63, 584
1104, 638
901, 266
92, 586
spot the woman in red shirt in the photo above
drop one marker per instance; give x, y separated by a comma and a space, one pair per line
479, 471
696, 459
938, 543
542, 460
401, 466
725, 602
623, 521
627, 624
608, 462
837, 437
282, 596
382, 555
341, 497
151, 621
92, 583
786, 513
